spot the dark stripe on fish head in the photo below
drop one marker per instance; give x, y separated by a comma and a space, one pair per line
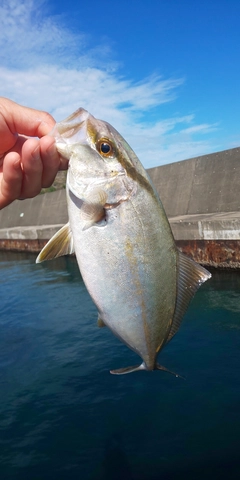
99, 130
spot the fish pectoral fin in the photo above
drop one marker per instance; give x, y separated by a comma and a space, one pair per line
92, 210
191, 275
123, 371
60, 244
92, 214
100, 322
164, 369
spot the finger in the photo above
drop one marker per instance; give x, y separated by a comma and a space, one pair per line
32, 168
63, 163
50, 160
12, 176
17, 147
24, 120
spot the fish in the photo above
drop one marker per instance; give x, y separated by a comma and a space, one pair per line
139, 281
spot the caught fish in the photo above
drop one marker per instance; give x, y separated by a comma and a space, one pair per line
118, 229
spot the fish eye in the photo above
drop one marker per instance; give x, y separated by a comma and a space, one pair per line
105, 148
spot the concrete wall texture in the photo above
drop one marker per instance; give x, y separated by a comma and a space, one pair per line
206, 184
46, 209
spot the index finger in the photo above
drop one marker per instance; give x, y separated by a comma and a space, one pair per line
25, 120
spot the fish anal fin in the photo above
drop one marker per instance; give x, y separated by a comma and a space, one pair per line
60, 244
191, 275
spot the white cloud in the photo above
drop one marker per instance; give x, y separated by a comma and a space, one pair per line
46, 66
202, 128
29, 37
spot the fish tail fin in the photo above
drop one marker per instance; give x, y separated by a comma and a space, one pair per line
136, 368
123, 371
160, 367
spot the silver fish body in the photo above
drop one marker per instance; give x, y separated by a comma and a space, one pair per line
139, 281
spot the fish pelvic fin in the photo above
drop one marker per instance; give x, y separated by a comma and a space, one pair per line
191, 276
60, 244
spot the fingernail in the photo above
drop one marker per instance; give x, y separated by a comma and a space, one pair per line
51, 150
36, 153
17, 164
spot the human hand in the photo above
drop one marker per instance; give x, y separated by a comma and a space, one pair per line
26, 164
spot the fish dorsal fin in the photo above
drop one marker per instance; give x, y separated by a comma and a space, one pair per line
60, 244
190, 277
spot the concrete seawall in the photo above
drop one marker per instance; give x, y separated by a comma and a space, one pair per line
201, 198
206, 184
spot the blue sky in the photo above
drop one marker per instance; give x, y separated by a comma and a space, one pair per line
165, 73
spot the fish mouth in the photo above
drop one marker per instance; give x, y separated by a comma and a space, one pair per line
72, 130
72, 124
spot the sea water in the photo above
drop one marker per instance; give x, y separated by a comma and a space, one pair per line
64, 416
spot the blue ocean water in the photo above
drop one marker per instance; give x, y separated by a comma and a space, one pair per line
64, 416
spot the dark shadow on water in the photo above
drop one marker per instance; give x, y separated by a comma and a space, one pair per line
116, 466
116, 463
